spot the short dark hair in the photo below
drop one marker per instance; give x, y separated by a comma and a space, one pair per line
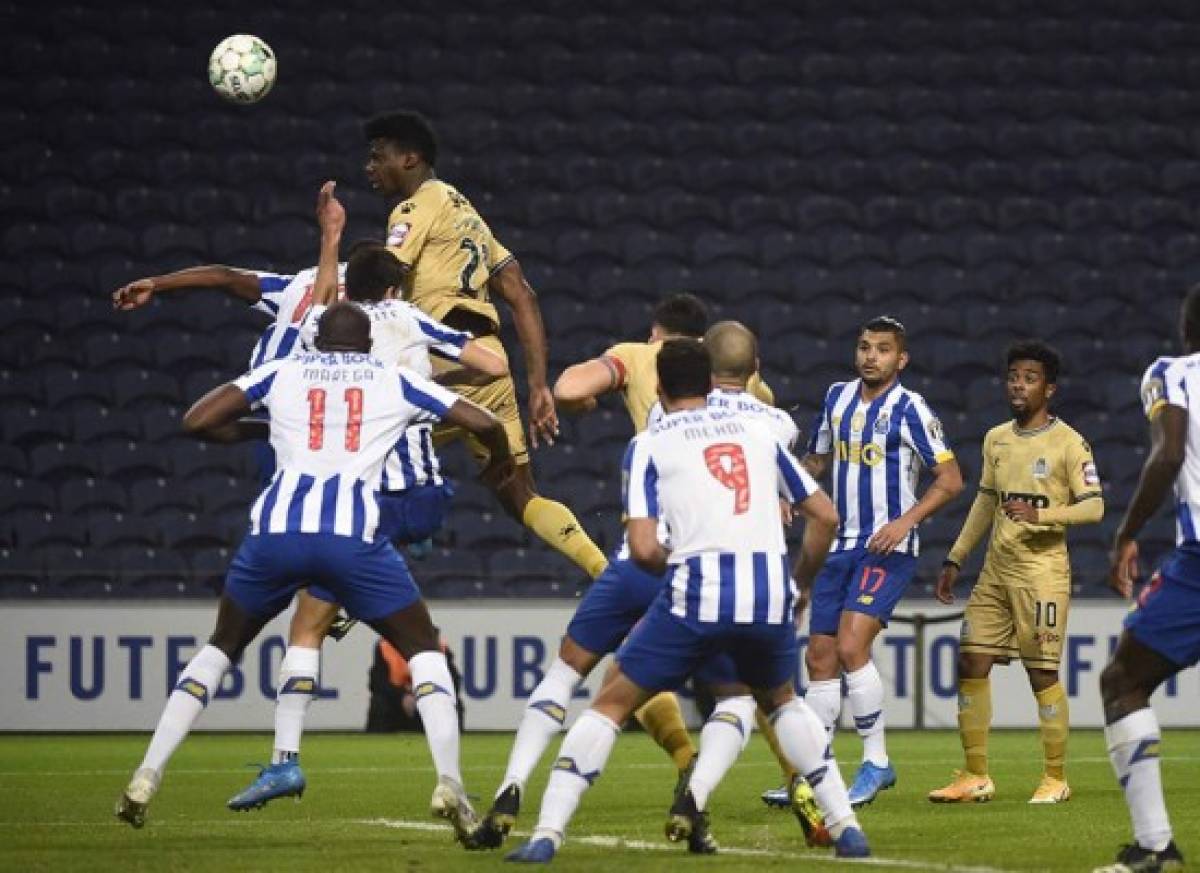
364, 243
887, 324
684, 369
406, 130
682, 315
1036, 350
370, 272
344, 324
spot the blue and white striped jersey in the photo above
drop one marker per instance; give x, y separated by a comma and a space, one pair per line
876, 449
1172, 382
715, 478
334, 419
744, 403
404, 336
286, 298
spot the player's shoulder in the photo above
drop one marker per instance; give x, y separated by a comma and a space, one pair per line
837, 391
630, 351
430, 197
997, 431
1159, 367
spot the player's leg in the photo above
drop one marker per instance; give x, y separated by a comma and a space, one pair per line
988, 637
553, 522
874, 590
1040, 615
1162, 637
824, 693
806, 743
660, 653
254, 594
315, 612
584, 752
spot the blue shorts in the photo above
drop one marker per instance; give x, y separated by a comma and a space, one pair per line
612, 605
416, 514
1167, 617
370, 580
859, 581
404, 517
664, 650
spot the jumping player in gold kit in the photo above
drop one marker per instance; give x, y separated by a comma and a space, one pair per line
1038, 478
453, 265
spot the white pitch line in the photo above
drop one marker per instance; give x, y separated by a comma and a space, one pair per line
611, 842
209, 771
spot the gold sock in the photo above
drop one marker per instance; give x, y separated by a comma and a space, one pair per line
663, 720
768, 731
974, 720
1054, 720
559, 528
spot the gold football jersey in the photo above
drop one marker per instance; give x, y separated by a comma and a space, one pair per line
449, 250
638, 380
1052, 466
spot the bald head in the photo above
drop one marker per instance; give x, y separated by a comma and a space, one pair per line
344, 327
734, 351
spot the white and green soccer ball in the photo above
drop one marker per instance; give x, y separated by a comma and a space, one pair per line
242, 68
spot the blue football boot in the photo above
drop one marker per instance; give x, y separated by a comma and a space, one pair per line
869, 781
284, 779
537, 851
852, 844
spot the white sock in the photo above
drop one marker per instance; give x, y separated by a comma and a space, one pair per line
824, 698
803, 740
866, 704
1133, 748
197, 684
434, 690
583, 755
297, 685
542, 720
723, 738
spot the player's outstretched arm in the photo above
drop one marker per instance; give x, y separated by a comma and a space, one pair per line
580, 384
1168, 441
509, 284
217, 417
239, 284
478, 357
331, 218
946, 485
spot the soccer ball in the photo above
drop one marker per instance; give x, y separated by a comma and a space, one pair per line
242, 68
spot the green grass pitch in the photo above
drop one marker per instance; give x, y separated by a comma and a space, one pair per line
367, 808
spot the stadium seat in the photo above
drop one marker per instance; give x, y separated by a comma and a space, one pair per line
79, 497
23, 493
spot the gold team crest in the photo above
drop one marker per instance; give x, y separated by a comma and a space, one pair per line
1041, 468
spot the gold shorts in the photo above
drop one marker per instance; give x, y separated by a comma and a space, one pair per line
498, 396
1017, 619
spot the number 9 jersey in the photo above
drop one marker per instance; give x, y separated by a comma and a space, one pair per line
716, 478
449, 250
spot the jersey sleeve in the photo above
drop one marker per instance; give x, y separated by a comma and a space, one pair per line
619, 359
271, 288
654, 416
257, 383
639, 481
821, 441
1082, 474
795, 482
431, 400
924, 433
443, 341
498, 255
1160, 389
409, 226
